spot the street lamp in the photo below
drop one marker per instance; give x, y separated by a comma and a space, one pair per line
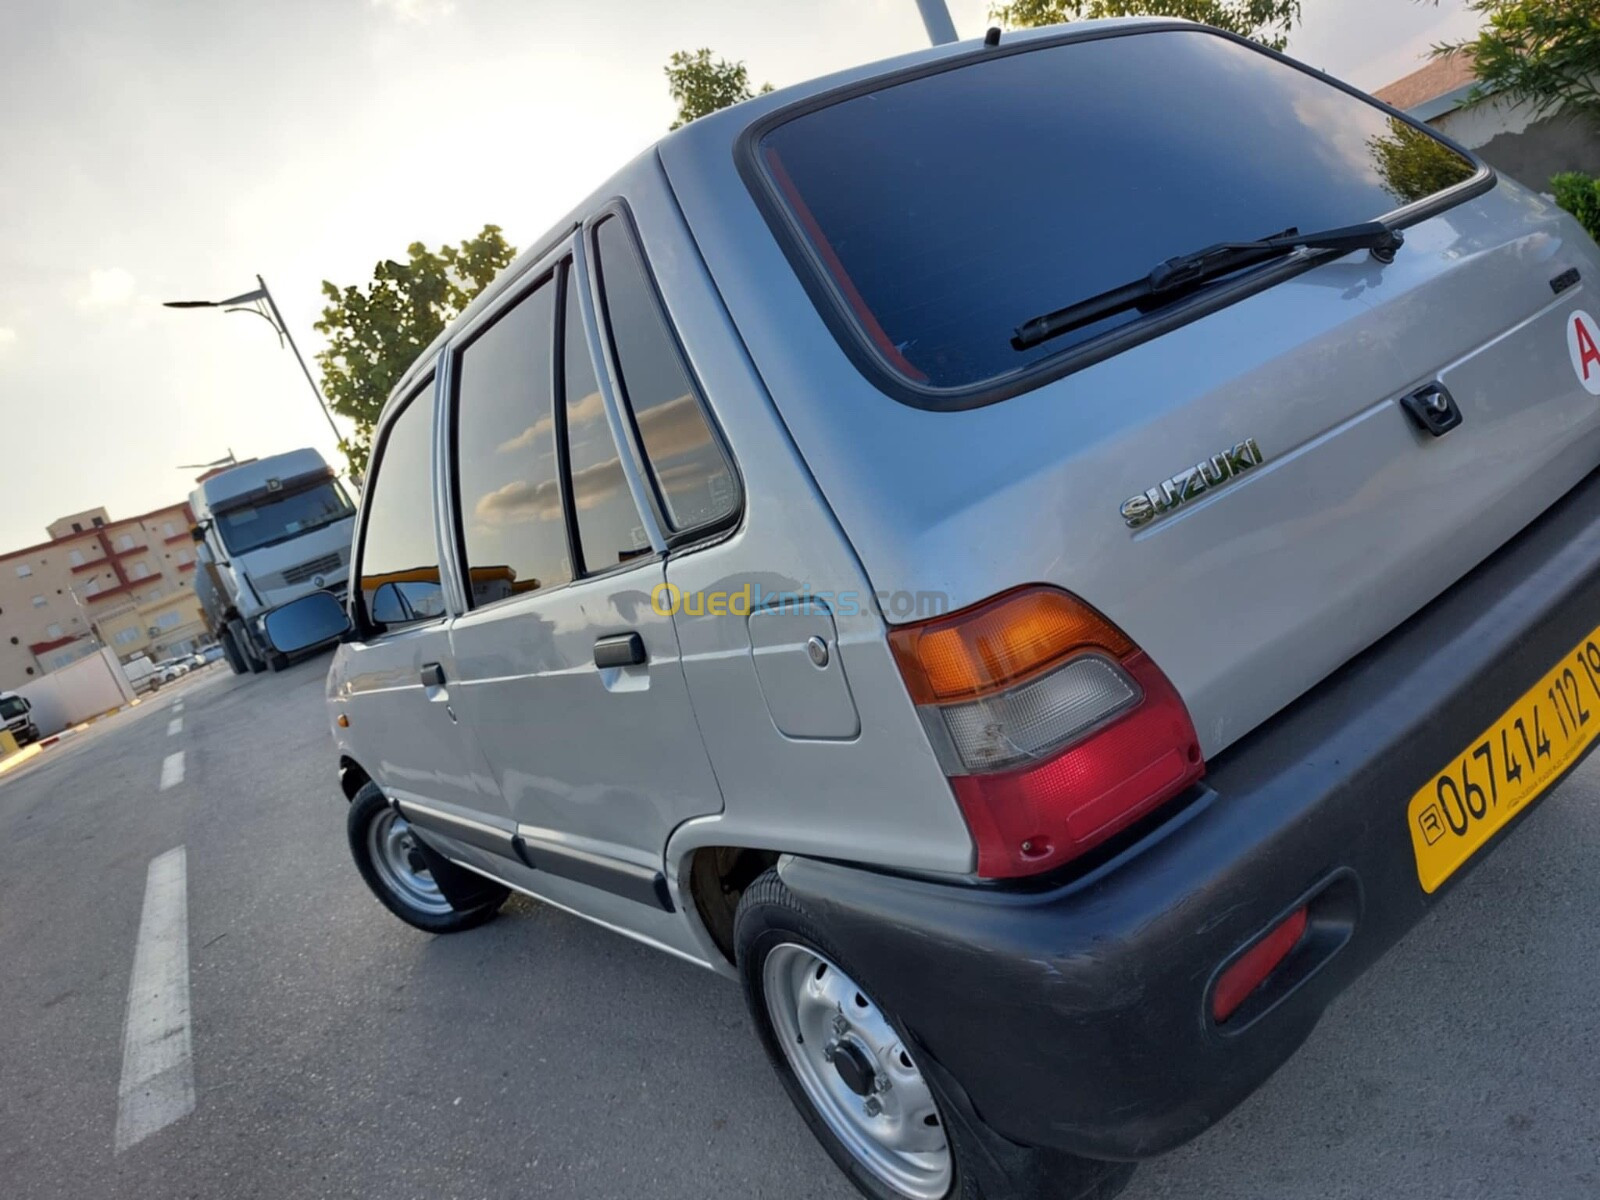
261, 304
229, 461
936, 20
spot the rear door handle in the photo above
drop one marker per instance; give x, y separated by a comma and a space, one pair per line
432, 675
619, 650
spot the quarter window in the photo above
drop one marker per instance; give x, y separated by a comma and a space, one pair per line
399, 556
512, 524
610, 530
691, 475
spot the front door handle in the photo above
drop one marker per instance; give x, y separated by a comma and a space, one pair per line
619, 650
432, 675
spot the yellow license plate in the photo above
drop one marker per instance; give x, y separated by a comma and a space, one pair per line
1506, 768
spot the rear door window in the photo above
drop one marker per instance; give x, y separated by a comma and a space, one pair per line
934, 216
399, 555
691, 475
513, 526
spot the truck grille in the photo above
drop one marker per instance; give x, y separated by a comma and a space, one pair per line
317, 566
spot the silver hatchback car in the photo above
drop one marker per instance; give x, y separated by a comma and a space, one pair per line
1041, 559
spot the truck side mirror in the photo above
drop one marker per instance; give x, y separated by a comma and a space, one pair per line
198, 532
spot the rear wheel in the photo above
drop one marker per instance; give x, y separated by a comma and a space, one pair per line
387, 854
887, 1121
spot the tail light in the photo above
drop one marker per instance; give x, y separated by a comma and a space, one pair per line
1055, 729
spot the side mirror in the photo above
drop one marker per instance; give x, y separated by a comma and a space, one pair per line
305, 623
197, 532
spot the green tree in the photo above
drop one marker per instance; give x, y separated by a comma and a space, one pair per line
376, 333
1266, 21
701, 84
1543, 52
1414, 164
1579, 194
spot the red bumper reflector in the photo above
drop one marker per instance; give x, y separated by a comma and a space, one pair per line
1252, 967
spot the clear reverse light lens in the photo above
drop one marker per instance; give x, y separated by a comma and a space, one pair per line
1032, 721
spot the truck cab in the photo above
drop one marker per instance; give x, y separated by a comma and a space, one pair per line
270, 531
17, 714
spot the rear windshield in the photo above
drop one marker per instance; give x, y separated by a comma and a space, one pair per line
945, 211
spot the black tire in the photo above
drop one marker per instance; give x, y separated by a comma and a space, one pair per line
230, 651
986, 1165
369, 807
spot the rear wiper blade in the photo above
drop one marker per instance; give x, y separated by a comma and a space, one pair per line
1169, 280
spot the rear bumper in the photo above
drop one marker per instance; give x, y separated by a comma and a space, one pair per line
1077, 1017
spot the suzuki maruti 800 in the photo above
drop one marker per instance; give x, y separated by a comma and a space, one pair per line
1040, 559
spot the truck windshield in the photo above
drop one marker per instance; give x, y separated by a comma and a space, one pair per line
936, 213
283, 517
11, 706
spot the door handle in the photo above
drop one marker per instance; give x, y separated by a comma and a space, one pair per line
432, 675
619, 650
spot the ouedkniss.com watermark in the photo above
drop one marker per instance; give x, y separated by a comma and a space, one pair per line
670, 600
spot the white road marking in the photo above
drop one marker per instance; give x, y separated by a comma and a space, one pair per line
174, 726
172, 770
157, 1053
178, 707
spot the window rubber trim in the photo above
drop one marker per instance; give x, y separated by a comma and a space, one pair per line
676, 538
808, 260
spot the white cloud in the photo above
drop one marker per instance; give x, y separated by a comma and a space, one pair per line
416, 12
108, 288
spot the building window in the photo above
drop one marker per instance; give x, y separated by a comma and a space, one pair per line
169, 620
141, 570
99, 521
53, 631
167, 530
90, 588
75, 557
125, 542
126, 637
39, 602
23, 570
77, 527
184, 556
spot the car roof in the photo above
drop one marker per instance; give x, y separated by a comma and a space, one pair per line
711, 139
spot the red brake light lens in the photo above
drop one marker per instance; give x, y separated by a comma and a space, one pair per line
1055, 729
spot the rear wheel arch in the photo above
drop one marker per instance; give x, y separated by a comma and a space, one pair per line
713, 879
352, 776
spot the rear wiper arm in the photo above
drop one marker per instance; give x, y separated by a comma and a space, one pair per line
1169, 280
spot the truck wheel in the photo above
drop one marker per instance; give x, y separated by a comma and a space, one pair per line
231, 652
850, 1070
385, 851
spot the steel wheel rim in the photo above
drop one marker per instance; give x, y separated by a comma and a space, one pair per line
392, 846
830, 1029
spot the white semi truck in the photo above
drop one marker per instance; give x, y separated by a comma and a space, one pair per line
270, 532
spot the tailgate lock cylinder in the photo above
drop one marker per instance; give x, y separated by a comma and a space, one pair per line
1433, 408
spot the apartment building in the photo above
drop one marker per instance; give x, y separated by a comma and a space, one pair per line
127, 584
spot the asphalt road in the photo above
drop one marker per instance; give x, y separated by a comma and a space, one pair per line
336, 1052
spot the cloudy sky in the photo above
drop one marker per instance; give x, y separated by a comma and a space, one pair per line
162, 149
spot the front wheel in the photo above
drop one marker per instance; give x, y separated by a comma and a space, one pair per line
387, 854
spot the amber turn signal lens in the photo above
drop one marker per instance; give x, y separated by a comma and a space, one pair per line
998, 643
344, 721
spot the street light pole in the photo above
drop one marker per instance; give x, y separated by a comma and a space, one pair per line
936, 20
251, 302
